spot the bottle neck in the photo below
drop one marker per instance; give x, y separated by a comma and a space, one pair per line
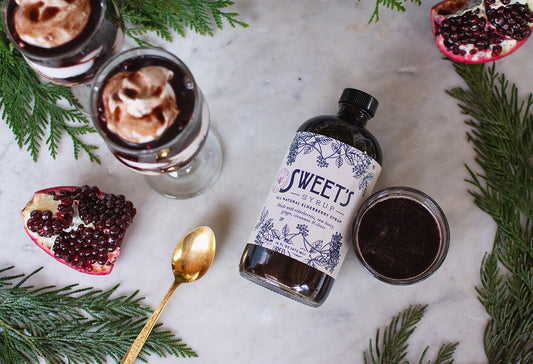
353, 114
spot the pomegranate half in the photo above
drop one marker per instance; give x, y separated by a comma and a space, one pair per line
81, 227
479, 31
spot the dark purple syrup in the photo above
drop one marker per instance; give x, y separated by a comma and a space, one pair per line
185, 98
398, 238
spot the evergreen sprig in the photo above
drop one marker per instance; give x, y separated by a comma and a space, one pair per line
163, 17
390, 347
31, 108
397, 5
502, 135
74, 325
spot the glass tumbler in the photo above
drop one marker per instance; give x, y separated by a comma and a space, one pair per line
186, 159
72, 60
401, 235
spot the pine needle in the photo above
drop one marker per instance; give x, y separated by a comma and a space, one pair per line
31, 108
397, 5
502, 135
163, 17
390, 346
74, 325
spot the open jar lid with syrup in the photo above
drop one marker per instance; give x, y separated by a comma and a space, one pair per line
400, 235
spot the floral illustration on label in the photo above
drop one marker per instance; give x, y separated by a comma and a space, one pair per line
338, 152
308, 213
315, 254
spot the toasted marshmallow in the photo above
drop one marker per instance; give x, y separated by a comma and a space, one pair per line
51, 23
140, 105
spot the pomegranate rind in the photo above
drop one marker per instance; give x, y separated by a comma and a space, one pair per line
39, 201
455, 7
43, 200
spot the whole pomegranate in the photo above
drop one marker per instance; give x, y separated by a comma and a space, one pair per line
479, 31
81, 227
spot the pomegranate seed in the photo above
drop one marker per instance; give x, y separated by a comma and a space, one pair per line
36, 214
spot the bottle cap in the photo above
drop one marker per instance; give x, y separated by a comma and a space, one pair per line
360, 99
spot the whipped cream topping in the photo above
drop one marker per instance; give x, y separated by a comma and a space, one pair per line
140, 105
51, 23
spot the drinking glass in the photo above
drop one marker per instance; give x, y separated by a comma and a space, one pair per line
405, 244
184, 161
76, 62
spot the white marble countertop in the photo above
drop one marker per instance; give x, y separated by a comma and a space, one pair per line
261, 83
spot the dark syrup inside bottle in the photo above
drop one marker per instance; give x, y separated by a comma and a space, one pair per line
284, 274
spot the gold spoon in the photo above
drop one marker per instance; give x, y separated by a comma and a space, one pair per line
191, 259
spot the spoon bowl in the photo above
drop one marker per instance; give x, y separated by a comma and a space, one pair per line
193, 254
191, 259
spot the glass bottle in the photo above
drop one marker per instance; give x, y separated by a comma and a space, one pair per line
302, 235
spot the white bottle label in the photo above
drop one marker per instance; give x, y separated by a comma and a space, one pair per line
309, 211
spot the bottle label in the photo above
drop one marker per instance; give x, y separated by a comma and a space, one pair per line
309, 211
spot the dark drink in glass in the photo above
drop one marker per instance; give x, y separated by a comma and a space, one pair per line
154, 119
65, 42
401, 235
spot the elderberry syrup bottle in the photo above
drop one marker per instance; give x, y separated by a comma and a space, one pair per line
303, 232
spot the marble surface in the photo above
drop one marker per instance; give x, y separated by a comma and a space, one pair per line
262, 82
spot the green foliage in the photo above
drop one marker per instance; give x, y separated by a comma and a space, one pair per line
397, 5
166, 16
74, 325
391, 346
502, 135
31, 110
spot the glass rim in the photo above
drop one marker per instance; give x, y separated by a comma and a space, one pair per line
115, 61
53, 51
425, 201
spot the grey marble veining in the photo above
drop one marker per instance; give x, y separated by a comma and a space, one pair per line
261, 83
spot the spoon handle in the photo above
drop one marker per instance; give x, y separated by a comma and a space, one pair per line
138, 344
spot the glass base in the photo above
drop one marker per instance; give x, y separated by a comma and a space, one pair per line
82, 94
194, 178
